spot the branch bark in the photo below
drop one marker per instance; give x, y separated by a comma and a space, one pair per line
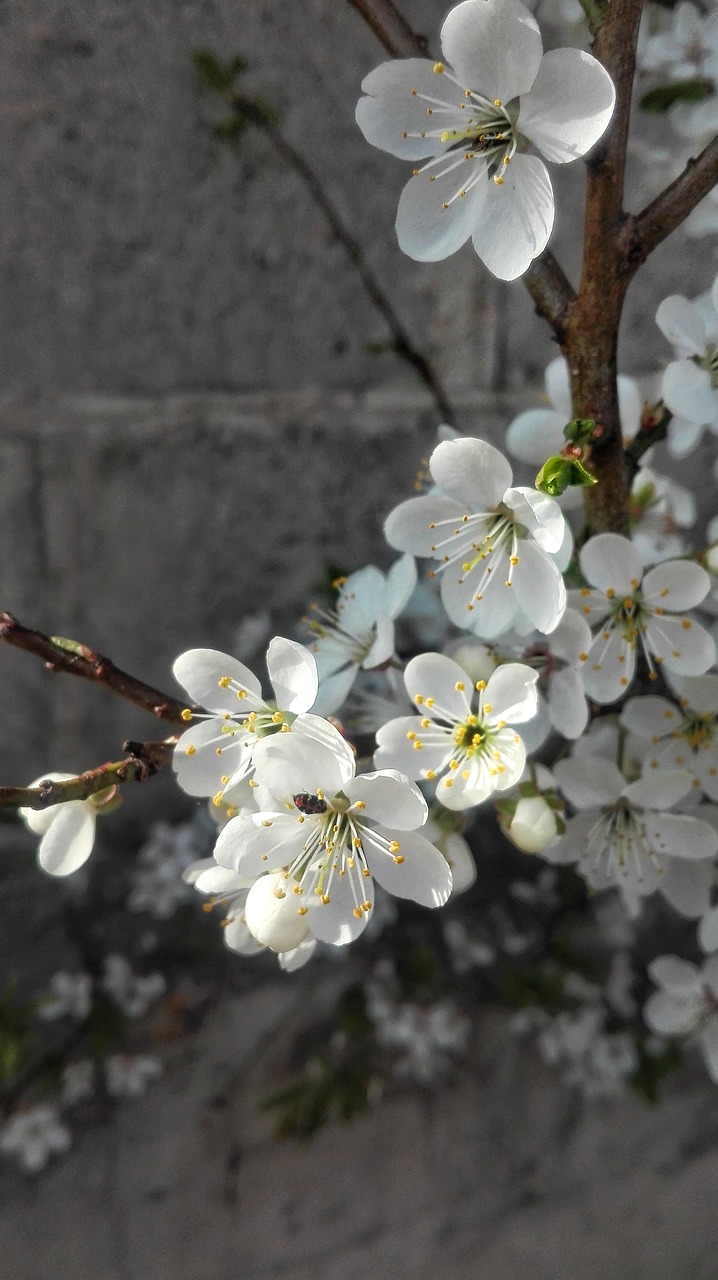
77, 659
143, 761
644, 232
392, 29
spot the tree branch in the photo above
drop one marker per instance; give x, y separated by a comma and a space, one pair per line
644, 232
77, 659
144, 760
392, 29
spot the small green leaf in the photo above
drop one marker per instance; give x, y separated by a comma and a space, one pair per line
580, 476
554, 477
216, 74
658, 100
579, 430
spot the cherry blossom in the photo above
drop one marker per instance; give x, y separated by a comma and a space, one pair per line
463, 734
471, 121
683, 736
217, 752
495, 542
686, 1004
34, 1136
690, 383
359, 634
67, 829
324, 834
624, 836
638, 612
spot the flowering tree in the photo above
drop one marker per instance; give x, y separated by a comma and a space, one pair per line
567, 686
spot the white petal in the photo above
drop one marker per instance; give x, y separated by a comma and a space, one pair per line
688, 392
540, 589
611, 563
199, 672
700, 692
683, 645
220, 880
359, 600
390, 798
679, 836
687, 886
334, 689
569, 106
571, 637
650, 716
630, 404
290, 764
391, 110
199, 773
411, 526
681, 323
676, 585
293, 673
434, 676
494, 48
541, 516
567, 705
38, 820
536, 434
610, 667
395, 750
511, 693
558, 387
589, 781
708, 930
669, 1016
461, 861
295, 959
660, 789
383, 646
400, 584
424, 875
516, 217
680, 977
430, 223
68, 841
471, 471
271, 911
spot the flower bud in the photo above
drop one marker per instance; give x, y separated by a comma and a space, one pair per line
271, 913
533, 825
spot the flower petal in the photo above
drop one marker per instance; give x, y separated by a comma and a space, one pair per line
395, 749
681, 323
676, 585
683, 645
540, 589
433, 220
412, 525
589, 781
392, 112
471, 471
195, 761
540, 515
687, 886
390, 798
660, 789
569, 105
650, 716
271, 912
293, 673
494, 48
567, 705
68, 841
535, 435
424, 875
199, 672
511, 692
443, 682
400, 585
611, 563
688, 392
679, 836
516, 217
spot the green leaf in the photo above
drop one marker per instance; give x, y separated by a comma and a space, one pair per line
216, 74
554, 477
579, 430
658, 100
580, 476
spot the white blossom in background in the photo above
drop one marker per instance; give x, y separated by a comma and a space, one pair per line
638, 612
536, 434
596, 1062
660, 510
495, 543
323, 834
690, 382
157, 884
218, 750
463, 736
34, 1136
426, 1039
130, 1075
686, 1004
683, 735
624, 836
67, 829
685, 48
78, 1082
471, 122
69, 996
359, 633
619, 986
131, 992
467, 951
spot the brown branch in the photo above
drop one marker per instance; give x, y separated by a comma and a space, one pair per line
655, 421
392, 29
77, 659
144, 760
644, 232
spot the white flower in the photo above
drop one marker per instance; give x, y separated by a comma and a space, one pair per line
132, 993
426, 1038
218, 751
67, 829
70, 996
465, 741
360, 633
467, 952
659, 509
561, 695
494, 542
690, 383
537, 433
593, 1061
324, 834
34, 1136
686, 49
623, 835
633, 610
685, 736
78, 1081
453, 846
686, 1004
157, 884
472, 124
128, 1075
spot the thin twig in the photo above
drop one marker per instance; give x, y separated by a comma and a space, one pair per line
644, 232
655, 421
77, 659
143, 761
391, 28
401, 340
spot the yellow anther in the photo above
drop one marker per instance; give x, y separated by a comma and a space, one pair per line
609, 592
356, 842
583, 657
217, 800
488, 708
266, 822
444, 205
186, 714
480, 685
241, 693
325, 899
498, 102
418, 744
634, 583
438, 68
425, 723
686, 624
453, 764
357, 912
448, 782
398, 859
224, 779
459, 686
224, 682
394, 846
277, 718
664, 592
413, 93
231, 811
419, 699
252, 783
429, 774
190, 750
411, 735
513, 559
358, 804
429, 702
499, 183
302, 911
